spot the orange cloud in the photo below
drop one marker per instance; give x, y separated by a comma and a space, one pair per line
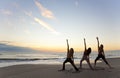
44, 24
44, 11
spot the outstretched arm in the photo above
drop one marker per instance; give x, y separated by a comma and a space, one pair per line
97, 42
85, 44
67, 45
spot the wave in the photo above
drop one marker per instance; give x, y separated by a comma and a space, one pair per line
25, 59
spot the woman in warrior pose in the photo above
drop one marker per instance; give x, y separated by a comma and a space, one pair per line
101, 54
86, 56
69, 58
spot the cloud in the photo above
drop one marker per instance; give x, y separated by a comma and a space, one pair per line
42, 23
44, 11
5, 42
5, 12
11, 48
28, 13
45, 25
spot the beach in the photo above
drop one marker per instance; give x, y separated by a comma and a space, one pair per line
52, 71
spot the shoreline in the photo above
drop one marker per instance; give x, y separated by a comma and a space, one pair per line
39, 62
51, 71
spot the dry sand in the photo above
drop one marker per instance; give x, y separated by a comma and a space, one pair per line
51, 71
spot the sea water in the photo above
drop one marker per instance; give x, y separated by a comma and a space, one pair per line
17, 58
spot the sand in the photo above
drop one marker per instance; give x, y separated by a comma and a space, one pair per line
51, 71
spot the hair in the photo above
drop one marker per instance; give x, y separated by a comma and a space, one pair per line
71, 50
88, 51
101, 46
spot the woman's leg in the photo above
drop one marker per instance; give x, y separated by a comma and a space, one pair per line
104, 59
88, 61
64, 64
81, 63
73, 65
98, 57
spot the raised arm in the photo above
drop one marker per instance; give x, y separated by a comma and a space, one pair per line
85, 44
67, 45
97, 42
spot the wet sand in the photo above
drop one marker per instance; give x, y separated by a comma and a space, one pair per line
52, 71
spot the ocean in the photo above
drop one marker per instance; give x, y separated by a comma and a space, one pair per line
17, 58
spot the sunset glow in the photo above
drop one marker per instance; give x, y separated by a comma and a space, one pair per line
45, 25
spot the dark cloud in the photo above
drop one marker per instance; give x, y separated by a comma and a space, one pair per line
11, 48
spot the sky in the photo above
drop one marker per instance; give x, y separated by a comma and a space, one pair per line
46, 24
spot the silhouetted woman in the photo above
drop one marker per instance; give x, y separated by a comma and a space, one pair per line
101, 54
86, 56
69, 58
